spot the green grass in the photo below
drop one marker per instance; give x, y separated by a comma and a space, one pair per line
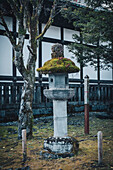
87, 157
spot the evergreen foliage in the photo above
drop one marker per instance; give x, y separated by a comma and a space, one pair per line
95, 41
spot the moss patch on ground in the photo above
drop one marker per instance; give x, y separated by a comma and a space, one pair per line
58, 65
87, 157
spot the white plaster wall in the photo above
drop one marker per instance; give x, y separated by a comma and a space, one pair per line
37, 62
46, 53
8, 21
79, 1
5, 56
69, 55
26, 55
52, 32
68, 34
90, 71
106, 74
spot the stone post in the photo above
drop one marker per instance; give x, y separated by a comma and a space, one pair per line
24, 145
100, 154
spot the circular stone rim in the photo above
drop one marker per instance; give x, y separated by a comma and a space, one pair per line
59, 94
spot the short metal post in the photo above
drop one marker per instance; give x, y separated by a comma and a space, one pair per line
86, 104
24, 145
100, 154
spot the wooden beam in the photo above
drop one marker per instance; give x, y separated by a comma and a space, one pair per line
13, 55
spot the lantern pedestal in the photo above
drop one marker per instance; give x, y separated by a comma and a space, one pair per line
61, 145
59, 91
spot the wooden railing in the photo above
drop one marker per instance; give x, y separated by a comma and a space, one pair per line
10, 92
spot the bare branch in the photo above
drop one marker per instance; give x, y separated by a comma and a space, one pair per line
50, 20
1, 24
9, 35
45, 29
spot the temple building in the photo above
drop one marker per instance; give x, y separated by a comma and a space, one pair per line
59, 32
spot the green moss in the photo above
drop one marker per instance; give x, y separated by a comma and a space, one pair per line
59, 65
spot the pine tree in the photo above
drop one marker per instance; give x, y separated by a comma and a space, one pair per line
101, 4
94, 42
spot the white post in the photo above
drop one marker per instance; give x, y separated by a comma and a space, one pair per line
24, 145
100, 154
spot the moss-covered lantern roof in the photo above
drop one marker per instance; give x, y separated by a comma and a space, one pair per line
58, 64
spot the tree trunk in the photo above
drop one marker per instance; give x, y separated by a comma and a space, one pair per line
25, 119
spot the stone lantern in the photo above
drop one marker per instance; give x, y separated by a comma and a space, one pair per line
58, 68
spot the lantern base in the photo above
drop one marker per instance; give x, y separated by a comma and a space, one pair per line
60, 145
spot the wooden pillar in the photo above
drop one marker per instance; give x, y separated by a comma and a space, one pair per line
81, 64
112, 61
15, 36
98, 69
112, 70
81, 71
86, 104
40, 57
40, 47
62, 37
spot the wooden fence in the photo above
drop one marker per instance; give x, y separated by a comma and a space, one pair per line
10, 92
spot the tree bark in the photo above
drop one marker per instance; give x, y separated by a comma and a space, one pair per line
25, 119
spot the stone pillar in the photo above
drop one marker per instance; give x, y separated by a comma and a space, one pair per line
100, 150
60, 118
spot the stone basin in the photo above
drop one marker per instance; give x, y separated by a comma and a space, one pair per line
59, 94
